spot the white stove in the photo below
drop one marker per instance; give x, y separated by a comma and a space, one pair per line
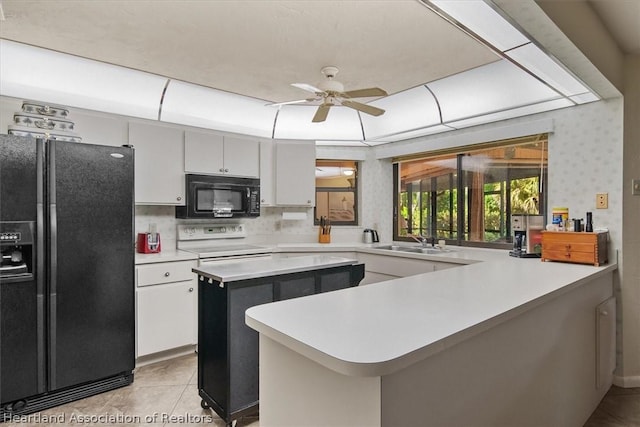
215, 243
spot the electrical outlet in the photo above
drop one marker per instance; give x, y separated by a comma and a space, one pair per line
602, 200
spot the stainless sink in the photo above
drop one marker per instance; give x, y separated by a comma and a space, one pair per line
415, 249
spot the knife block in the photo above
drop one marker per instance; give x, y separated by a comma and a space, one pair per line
324, 238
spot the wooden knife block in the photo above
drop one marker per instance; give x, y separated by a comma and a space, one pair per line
324, 238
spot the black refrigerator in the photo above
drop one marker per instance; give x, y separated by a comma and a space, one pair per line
67, 316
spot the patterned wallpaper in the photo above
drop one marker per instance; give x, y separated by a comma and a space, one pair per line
585, 158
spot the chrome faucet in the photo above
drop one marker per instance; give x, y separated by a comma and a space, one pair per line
424, 241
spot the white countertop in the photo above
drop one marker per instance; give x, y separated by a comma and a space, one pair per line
254, 268
380, 328
166, 255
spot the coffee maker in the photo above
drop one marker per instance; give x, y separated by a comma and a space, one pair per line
527, 235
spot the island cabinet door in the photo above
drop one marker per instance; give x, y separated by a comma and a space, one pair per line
227, 347
340, 278
243, 345
294, 286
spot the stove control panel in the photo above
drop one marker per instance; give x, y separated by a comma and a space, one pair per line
210, 231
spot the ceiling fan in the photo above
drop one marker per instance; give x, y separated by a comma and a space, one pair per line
331, 92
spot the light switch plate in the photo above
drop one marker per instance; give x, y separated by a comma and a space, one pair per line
602, 201
635, 187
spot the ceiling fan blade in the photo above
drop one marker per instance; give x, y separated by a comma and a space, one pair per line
369, 109
363, 93
321, 113
297, 101
307, 87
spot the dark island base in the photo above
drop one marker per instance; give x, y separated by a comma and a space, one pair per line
228, 349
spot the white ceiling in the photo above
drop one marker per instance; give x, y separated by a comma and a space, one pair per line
258, 48
254, 48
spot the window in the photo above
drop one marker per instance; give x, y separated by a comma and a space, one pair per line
468, 198
336, 191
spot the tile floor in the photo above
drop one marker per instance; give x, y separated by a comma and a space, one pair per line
169, 389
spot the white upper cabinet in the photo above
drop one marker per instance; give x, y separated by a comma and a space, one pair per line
159, 175
210, 153
295, 181
241, 156
203, 152
267, 168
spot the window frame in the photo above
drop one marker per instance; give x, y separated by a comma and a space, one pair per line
354, 190
463, 213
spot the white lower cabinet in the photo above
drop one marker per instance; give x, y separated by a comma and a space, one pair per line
385, 267
166, 306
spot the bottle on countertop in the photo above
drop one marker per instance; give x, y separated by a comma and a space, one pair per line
588, 227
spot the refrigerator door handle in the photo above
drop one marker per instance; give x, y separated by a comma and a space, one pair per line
40, 266
53, 262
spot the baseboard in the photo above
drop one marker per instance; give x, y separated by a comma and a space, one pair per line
165, 355
626, 382
13, 411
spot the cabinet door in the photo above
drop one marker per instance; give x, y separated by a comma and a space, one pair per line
295, 287
243, 345
267, 176
335, 279
203, 152
241, 157
159, 164
295, 173
165, 316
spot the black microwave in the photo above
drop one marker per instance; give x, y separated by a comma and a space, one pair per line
212, 196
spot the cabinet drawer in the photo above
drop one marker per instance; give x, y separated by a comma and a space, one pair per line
571, 256
570, 247
166, 272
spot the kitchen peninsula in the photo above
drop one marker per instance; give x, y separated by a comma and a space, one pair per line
227, 348
500, 342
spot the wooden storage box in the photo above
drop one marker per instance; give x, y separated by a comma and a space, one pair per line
582, 248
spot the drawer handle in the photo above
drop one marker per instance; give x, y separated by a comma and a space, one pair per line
568, 255
167, 274
568, 247
604, 313
190, 289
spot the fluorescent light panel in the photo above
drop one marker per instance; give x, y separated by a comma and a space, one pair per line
294, 122
493, 87
33, 73
195, 105
539, 63
409, 109
410, 134
340, 143
511, 113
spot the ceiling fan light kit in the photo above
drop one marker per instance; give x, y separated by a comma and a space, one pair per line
331, 92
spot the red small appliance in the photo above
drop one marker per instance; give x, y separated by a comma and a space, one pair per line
148, 243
